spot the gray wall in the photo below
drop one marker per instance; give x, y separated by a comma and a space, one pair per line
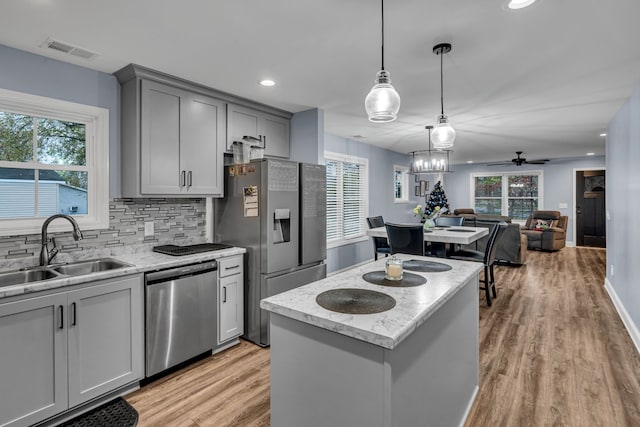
25, 72
381, 195
558, 184
623, 203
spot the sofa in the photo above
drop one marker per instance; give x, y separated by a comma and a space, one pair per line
546, 230
512, 246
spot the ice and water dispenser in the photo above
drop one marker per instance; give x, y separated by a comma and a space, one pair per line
281, 225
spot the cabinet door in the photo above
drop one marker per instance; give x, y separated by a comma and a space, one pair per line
105, 338
241, 121
275, 134
230, 314
33, 360
160, 139
203, 133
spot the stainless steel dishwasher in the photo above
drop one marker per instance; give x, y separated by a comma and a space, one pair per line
181, 314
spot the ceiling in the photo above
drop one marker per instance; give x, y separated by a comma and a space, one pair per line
545, 80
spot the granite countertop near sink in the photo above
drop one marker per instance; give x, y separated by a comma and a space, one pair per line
414, 305
142, 259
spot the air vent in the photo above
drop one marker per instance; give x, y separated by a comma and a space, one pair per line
67, 48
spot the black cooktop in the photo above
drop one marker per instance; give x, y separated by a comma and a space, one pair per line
176, 250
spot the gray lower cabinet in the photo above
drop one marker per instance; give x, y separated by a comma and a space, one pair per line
230, 298
271, 130
61, 350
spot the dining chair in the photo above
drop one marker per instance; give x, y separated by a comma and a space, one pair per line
439, 248
487, 258
406, 239
449, 220
380, 244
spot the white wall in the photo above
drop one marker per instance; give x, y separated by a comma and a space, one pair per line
623, 204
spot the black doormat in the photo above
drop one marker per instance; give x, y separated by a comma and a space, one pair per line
117, 413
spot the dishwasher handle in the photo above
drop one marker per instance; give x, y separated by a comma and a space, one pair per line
182, 271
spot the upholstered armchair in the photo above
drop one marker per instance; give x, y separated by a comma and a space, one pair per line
546, 230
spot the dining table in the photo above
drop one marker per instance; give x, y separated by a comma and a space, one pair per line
453, 235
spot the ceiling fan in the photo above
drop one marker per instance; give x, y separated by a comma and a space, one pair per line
519, 161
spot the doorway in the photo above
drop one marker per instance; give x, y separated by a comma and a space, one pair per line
590, 208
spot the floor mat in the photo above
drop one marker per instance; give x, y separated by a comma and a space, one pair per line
117, 413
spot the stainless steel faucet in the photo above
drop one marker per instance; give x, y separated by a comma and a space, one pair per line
47, 255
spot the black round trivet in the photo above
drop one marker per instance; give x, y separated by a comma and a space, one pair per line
459, 230
115, 413
425, 266
408, 279
355, 301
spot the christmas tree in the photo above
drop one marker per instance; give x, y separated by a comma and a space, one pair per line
436, 198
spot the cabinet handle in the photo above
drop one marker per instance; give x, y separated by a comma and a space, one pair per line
182, 178
231, 267
224, 290
264, 141
61, 317
73, 314
189, 178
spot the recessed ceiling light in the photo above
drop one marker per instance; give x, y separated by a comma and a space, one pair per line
603, 134
469, 161
519, 4
591, 154
267, 82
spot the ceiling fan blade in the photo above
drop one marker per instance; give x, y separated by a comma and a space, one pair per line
537, 162
499, 164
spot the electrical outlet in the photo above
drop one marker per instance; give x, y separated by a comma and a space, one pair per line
611, 269
563, 206
149, 229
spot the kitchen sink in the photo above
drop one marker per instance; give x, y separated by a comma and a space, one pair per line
26, 276
87, 267
36, 274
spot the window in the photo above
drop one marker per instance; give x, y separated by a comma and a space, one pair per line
509, 194
347, 199
53, 159
400, 184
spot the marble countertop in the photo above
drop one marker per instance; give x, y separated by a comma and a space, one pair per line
141, 262
414, 305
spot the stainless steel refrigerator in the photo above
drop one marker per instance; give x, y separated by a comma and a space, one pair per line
276, 209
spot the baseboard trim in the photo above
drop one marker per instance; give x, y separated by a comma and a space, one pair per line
624, 315
469, 406
570, 244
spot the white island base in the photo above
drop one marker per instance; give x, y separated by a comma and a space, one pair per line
320, 378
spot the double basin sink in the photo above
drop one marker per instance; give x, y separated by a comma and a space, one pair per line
37, 274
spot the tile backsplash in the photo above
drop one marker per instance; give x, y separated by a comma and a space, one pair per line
176, 221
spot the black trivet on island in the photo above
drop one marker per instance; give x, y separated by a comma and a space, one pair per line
355, 301
408, 279
425, 266
460, 230
115, 413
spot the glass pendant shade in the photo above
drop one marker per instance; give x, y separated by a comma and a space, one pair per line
383, 102
443, 135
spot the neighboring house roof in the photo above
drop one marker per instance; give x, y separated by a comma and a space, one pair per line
27, 174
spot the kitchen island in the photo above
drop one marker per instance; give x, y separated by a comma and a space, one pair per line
415, 364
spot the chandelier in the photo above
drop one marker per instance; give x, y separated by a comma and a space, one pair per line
430, 161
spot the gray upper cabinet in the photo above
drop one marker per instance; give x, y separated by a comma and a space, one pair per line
172, 141
270, 129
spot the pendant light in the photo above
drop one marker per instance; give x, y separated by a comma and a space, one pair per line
443, 134
383, 102
430, 161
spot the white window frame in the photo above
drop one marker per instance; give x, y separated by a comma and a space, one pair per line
96, 121
404, 185
338, 157
505, 189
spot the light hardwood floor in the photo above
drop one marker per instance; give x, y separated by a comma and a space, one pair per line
553, 352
